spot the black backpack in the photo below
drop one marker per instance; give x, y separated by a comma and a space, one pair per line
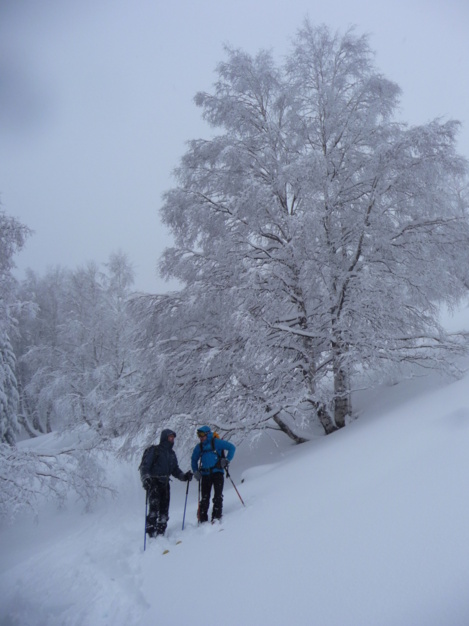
149, 456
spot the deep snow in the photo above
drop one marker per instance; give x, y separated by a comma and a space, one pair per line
366, 527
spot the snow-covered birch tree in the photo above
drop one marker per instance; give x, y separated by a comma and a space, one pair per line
315, 235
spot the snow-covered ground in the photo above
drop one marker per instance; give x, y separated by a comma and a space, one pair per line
367, 527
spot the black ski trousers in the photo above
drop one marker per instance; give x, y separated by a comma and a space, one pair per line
215, 480
158, 513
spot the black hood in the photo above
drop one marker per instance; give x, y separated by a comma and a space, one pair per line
164, 437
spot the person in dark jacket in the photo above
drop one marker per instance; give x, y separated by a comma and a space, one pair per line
158, 464
208, 464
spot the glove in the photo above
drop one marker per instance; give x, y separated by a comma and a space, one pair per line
146, 482
187, 476
224, 463
197, 475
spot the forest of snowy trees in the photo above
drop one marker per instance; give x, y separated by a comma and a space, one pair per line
316, 239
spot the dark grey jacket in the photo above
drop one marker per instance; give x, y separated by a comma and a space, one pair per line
161, 461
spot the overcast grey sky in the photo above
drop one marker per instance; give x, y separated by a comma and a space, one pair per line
96, 103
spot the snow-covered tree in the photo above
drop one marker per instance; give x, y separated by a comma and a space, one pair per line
8, 392
12, 238
306, 235
37, 346
75, 353
119, 378
76, 375
28, 477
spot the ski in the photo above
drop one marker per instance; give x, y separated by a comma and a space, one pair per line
176, 544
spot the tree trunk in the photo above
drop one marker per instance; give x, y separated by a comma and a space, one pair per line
287, 430
324, 418
342, 401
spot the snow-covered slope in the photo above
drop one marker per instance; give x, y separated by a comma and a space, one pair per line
367, 527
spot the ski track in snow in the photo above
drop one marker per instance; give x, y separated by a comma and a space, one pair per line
87, 577
91, 569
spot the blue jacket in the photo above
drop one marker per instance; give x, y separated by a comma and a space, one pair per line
208, 457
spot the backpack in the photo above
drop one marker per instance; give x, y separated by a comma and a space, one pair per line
149, 456
219, 455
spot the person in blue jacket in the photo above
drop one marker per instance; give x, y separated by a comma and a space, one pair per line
208, 464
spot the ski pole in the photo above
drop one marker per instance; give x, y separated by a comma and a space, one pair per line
228, 475
198, 505
185, 505
146, 510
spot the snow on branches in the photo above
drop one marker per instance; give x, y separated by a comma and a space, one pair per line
316, 238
